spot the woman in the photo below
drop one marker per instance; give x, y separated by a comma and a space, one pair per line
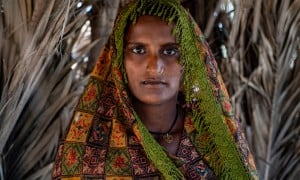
155, 106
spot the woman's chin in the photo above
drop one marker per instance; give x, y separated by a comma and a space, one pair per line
150, 100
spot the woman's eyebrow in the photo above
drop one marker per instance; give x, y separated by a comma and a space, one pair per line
134, 43
172, 44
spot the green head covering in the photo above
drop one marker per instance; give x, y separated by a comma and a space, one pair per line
201, 95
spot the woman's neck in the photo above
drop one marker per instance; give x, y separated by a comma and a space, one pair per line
157, 118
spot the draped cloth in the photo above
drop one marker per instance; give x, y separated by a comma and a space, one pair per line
106, 138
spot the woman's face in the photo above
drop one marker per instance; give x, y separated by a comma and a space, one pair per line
152, 61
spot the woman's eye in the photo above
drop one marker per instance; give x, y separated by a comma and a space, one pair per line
170, 51
138, 50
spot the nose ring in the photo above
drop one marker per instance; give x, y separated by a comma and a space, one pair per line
161, 71
155, 70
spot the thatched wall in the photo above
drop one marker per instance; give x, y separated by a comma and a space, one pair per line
41, 76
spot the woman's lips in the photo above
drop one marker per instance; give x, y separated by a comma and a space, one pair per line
153, 82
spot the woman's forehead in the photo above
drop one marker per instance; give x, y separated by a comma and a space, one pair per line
150, 25
150, 18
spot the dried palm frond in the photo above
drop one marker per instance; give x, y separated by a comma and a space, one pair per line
38, 89
102, 20
264, 69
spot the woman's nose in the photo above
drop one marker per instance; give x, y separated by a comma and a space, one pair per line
155, 65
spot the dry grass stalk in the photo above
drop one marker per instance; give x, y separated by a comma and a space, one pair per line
38, 88
265, 72
102, 20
